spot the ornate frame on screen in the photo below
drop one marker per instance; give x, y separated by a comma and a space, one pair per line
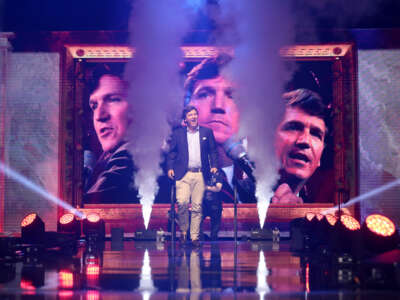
342, 58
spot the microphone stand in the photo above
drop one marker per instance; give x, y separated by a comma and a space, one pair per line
173, 233
235, 214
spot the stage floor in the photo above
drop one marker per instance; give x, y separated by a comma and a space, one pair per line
216, 270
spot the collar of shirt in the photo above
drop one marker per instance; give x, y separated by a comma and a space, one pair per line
190, 131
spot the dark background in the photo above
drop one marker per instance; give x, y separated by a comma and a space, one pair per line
63, 15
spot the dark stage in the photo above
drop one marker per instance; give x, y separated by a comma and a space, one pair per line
217, 270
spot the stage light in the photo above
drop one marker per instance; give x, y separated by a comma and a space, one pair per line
32, 229
309, 216
380, 225
66, 279
346, 236
93, 217
92, 295
331, 219
94, 227
300, 232
349, 222
379, 233
92, 271
68, 223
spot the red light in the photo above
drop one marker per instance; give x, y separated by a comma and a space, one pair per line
331, 219
27, 285
28, 220
92, 295
67, 218
380, 225
349, 222
308, 277
92, 270
93, 217
65, 294
66, 279
310, 216
319, 216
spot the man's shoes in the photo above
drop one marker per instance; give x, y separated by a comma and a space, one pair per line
196, 243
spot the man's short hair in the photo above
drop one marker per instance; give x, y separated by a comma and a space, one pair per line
310, 102
113, 69
209, 68
187, 109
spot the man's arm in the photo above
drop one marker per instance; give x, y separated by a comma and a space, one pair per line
214, 188
172, 154
213, 152
116, 182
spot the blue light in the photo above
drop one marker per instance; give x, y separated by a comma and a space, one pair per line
37, 189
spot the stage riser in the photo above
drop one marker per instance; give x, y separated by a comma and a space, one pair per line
129, 217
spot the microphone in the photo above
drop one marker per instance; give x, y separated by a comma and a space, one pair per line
236, 151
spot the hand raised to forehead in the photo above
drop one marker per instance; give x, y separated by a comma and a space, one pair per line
285, 195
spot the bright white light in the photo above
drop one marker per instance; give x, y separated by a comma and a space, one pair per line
146, 180
37, 189
146, 285
367, 195
146, 211
262, 273
263, 199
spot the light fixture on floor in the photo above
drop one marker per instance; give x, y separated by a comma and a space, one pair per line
94, 227
32, 229
379, 233
68, 223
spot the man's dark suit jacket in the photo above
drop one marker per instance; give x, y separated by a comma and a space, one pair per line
178, 156
112, 180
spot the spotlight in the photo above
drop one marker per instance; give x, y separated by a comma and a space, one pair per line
66, 279
68, 223
350, 223
309, 216
379, 233
32, 229
346, 236
94, 227
300, 232
331, 219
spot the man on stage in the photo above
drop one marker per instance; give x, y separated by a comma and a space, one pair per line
191, 158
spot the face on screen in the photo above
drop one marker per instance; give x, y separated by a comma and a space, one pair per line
217, 109
110, 111
299, 142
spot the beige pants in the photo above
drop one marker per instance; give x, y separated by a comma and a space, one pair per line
190, 186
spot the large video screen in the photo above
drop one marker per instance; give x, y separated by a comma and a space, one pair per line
312, 123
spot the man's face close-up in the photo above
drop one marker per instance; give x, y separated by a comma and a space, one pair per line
110, 111
299, 142
217, 109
